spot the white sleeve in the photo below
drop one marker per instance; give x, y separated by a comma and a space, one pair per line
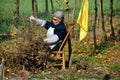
41, 22
51, 39
38, 21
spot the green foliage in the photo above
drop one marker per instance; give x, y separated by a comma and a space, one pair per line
40, 76
104, 45
114, 67
4, 28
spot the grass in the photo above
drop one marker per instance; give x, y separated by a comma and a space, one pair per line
114, 67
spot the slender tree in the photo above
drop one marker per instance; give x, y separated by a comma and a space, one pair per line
94, 26
69, 40
34, 7
16, 13
73, 13
111, 20
52, 6
102, 16
46, 5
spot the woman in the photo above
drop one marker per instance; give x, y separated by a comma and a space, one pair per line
56, 30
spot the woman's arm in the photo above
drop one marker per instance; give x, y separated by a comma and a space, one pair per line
51, 40
38, 21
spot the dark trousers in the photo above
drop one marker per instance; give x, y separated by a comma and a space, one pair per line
56, 48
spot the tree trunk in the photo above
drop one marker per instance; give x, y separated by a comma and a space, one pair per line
94, 27
102, 16
52, 6
73, 15
70, 53
46, 5
33, 6
16, 13
17, 7
112, 35
73, 12
36, 8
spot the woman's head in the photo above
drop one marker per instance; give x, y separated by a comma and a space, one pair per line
57, 17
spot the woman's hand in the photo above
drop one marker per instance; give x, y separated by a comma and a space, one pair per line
32, 18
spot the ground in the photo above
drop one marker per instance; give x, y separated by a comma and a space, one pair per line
86, 64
